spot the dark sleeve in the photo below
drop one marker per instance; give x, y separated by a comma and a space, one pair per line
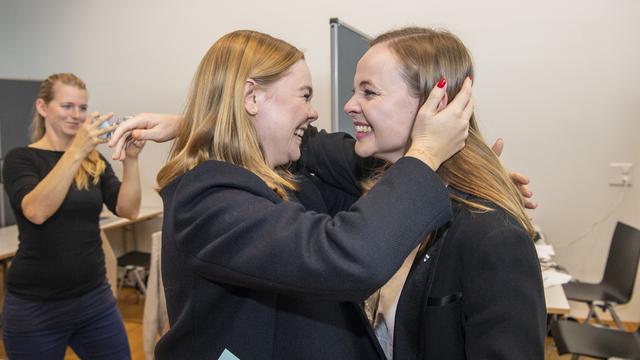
232, 235
21, 175
110, 187
332, 157
503, 296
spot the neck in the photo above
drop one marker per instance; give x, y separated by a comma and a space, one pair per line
53, 142
392, 158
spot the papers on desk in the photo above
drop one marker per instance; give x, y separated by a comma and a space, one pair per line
545, 252
550, 275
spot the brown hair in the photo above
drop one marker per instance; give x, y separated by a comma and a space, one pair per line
426, 56
92, 166
216, 125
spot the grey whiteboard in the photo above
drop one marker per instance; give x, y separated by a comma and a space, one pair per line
16, 110
347, 47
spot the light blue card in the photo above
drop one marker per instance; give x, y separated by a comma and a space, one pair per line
227, 355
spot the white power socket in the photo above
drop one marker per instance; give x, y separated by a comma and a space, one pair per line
620, 174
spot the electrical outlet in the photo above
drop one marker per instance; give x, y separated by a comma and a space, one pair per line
620, 174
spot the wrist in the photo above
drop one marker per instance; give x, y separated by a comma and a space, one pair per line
77, 154
423, 156
131, 159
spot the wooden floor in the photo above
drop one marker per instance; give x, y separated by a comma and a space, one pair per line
132, 315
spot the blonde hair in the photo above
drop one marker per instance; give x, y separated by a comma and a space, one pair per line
92, 166
426, 56
216, 125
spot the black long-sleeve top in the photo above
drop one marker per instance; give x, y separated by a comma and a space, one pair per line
61, 258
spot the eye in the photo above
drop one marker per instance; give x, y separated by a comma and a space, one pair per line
83, 108
369, 93
67, 106
307, 97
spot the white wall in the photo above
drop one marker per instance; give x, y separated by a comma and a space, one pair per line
556, 79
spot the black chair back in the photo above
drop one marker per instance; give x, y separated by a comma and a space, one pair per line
622, 261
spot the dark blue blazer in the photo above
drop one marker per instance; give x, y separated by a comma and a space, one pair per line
267, 279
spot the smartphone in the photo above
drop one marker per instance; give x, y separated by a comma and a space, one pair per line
115, 120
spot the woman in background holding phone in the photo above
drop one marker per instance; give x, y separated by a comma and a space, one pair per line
57, 292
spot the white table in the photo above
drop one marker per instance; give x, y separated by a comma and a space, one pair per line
557, 303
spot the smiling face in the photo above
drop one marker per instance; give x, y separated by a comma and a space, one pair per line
382, 107
283, 112
66, 112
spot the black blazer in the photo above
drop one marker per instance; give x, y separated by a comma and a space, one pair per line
265, 279
475, 292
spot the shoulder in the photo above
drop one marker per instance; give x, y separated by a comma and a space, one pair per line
22, 158
494, 231
217, 176
22, 152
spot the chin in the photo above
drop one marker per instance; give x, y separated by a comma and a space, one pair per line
295, 156
363, 151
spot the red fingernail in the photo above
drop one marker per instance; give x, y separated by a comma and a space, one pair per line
442, 83
470, 77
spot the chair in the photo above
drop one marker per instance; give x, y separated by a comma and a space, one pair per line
136, 264
594, 341
619, 276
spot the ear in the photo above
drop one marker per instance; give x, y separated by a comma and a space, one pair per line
250, 103
41, 108
443, 103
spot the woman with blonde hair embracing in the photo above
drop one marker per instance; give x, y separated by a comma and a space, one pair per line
247, 269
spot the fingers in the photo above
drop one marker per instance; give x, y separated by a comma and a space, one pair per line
527, 194
435, 96
118, 148
143, 134
531, 205
519, 179
498, 147
99, 141
524, 190
105, 130
463, 98
98, 120
125, 128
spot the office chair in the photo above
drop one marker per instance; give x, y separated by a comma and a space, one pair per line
619, 276
583, 339
136, 264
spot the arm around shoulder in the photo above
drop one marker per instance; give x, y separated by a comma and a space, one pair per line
236, 231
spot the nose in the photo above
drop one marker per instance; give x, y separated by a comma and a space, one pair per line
76, 112
313, 115
352, 107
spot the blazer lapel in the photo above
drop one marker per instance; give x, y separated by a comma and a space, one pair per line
407, 337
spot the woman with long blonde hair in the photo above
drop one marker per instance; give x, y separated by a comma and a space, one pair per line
473, 288
57, 292
249, 271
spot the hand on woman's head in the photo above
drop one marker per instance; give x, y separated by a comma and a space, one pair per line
439, 135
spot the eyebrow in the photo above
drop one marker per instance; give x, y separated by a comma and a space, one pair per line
366, 83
